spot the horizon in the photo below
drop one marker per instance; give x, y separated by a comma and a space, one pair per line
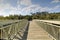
25, 7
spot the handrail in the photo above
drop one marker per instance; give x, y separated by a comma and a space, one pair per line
9, 23
51, 28
53, 24
8, 31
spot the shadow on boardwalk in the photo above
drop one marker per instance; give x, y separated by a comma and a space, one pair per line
25, 33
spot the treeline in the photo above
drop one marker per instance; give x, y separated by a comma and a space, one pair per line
37, 15
43, 16
46, 15
10, 17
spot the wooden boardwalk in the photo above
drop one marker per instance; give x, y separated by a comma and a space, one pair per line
35, 32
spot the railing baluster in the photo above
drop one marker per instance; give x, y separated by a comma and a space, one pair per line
10, 30
52, 29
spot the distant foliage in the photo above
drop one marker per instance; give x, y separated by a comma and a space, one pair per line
46, 16
37, 15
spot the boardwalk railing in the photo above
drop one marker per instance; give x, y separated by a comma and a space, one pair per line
51, 28
8, 31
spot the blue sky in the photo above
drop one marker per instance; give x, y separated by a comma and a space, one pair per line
25, 7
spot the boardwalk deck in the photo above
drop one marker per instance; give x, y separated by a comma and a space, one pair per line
37, 33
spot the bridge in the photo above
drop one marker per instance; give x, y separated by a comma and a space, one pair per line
32, 30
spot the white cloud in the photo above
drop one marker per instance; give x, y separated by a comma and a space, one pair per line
26, 10
56, 7
25, 2
29, 9
11, 9
1, 1
35, 8
6, 9
55, 1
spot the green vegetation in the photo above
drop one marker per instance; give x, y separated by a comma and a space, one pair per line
46, 16
37, 15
